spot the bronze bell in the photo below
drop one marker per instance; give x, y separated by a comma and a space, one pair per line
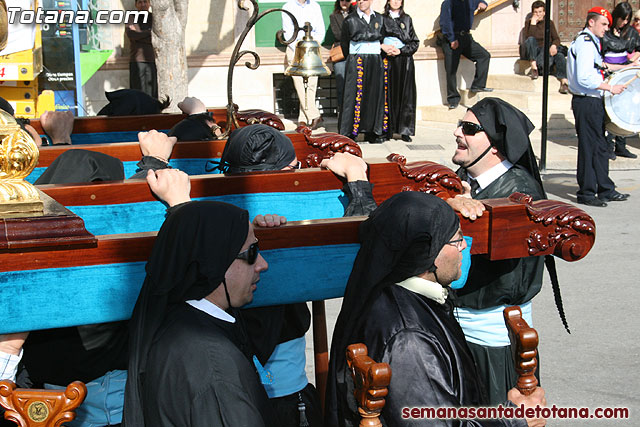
307, 61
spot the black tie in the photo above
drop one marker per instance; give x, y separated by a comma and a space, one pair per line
474, 186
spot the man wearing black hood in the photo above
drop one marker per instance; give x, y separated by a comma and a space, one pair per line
189, 362
277, 333
496, 159
397, 303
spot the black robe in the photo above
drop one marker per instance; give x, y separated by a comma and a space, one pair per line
363, 102
198, 374
510, 281
430, 363
401, 95
492, 283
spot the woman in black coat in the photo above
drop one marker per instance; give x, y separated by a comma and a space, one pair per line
400, 70
618, 43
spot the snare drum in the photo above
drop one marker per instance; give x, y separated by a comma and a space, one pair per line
623, 110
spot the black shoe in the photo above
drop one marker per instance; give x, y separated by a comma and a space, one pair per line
611, 155
624, 152
453, 106
481, 89
615, 197
406, 138
380, 140
594, 201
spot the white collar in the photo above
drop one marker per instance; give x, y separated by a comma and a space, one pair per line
306, 3
211, 309
363, 16
394, 15
432, 290
488, 176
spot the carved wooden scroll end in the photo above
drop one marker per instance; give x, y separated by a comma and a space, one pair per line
371, 381
429, 177
524, 348
41, 407
252, 117
567, 231
330, 142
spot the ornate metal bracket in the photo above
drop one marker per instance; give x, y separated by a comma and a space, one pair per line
232, 120
569, 231
429, 177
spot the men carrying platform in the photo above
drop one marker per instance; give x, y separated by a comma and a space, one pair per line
586, 83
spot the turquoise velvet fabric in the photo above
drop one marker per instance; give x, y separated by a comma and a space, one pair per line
188, 166
58, 297
106, 137
149, 216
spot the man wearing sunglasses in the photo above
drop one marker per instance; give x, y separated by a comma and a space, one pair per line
496, 159
189, 361
277, 333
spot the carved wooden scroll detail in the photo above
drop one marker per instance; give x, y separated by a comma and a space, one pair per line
524, 348
570, 231
371, 381
429, 177
252, 117
329, 143
45, 408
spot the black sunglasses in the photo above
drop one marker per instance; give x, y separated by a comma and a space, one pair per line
251, 254
470, 128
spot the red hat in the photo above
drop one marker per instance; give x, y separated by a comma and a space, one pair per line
602, 11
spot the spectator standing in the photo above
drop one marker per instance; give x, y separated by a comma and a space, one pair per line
401, 72
456, 20
621, 48
534, 44
341, 10
304, 11
363, 99
142, 60
587, 84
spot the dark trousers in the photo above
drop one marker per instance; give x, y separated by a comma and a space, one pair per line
286, 408
472, 51
593, 162
143, 76
536, 53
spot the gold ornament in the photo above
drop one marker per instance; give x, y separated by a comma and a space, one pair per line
18, 157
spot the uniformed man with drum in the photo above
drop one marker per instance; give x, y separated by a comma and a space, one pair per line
586, 83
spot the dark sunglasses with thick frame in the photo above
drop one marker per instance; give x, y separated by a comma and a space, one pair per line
470, 128
251, 254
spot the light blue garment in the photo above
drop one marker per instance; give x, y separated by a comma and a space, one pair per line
286, 365
364, 48
9, 365
393, 41
486, 327
104, 402
466, 265
584, 78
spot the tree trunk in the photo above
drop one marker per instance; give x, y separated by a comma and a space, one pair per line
168, 38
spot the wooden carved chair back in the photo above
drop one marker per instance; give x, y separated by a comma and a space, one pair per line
41, 408
524, 348
371, 381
